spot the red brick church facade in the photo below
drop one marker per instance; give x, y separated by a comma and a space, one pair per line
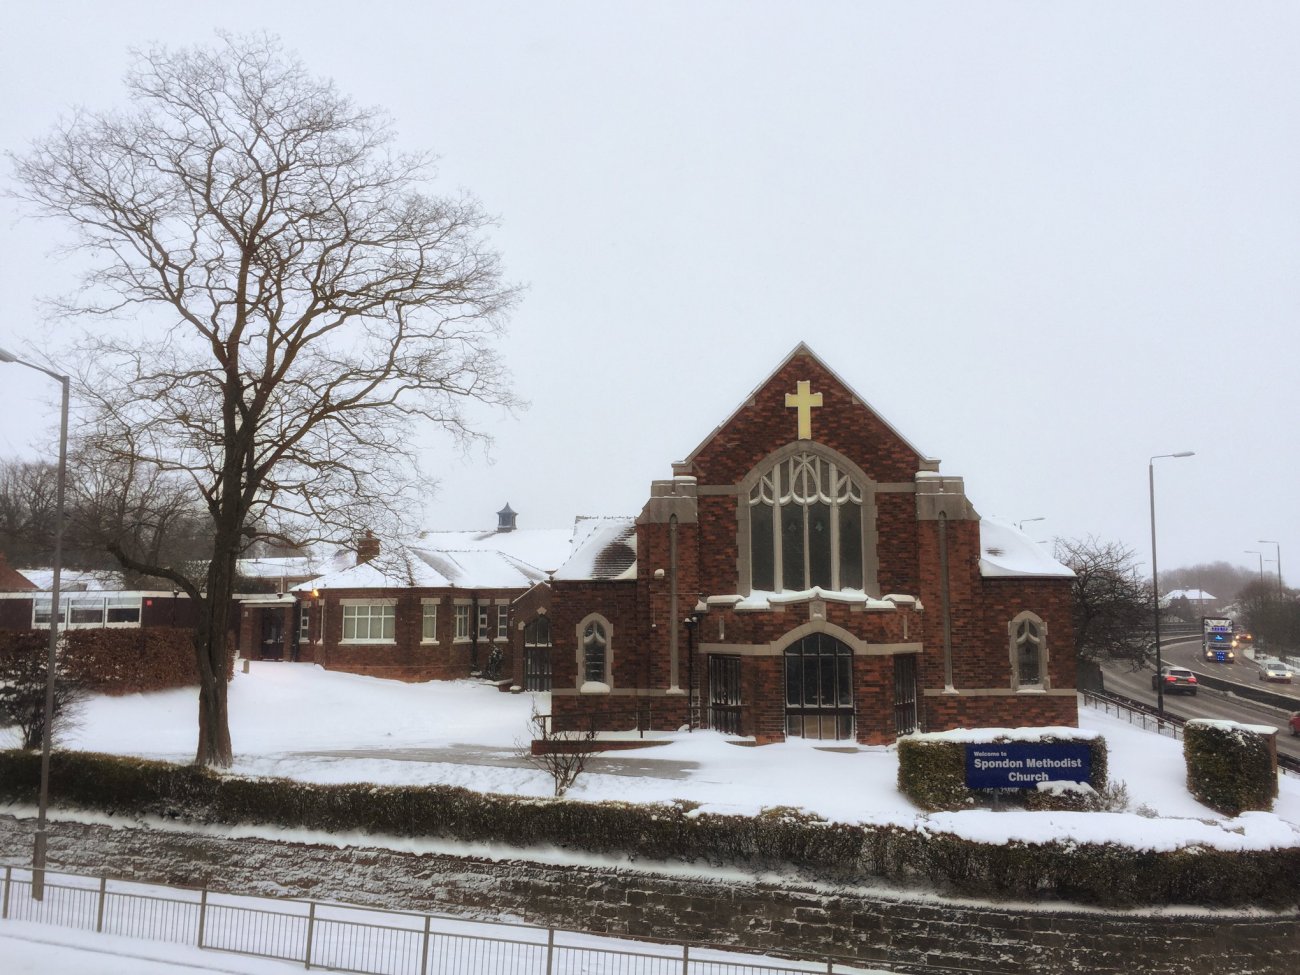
808, 572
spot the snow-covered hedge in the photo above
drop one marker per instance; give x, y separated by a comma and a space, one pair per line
1231, 767
779, 839
932, 769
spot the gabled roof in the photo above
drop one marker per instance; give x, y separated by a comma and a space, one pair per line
802, 349
11, 580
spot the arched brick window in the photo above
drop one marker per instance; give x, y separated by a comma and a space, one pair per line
595, 654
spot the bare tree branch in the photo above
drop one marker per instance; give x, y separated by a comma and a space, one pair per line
306, 302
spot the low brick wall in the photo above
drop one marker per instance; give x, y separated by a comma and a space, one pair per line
800, 919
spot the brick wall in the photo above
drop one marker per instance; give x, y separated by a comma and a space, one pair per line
795, 918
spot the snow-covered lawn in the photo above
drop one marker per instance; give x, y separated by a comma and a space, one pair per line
299, 721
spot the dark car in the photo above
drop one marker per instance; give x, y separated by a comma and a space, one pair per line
1295, 723
1175, 680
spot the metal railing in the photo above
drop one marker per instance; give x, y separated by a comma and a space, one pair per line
362, 940
1144, 716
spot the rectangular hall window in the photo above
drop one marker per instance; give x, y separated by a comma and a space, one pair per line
369, 622
429, 625
462, 623
503, 623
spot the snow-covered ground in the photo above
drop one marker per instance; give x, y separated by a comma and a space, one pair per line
301, 722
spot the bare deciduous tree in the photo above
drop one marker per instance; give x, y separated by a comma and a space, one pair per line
300, 297
1113, 612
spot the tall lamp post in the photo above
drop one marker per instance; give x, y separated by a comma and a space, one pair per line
38, 852
1155, 578
1251, 551
1020, 525
1269, 541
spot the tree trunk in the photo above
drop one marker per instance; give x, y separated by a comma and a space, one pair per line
211, 648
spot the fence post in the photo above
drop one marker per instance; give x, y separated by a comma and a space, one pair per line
550, 949
203, 913
99, 911
424, 952
4, 913
311, 927
686, 960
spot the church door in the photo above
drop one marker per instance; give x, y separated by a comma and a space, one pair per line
724, 693
905, 694
819, 688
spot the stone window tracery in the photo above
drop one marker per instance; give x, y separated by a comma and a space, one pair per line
1028, 652
805, 514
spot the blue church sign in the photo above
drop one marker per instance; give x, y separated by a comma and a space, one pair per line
1022, 765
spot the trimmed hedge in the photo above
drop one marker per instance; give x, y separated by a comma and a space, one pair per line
1103, 874
1230, 767
126, 660
932, 773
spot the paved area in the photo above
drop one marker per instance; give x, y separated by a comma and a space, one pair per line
633, 762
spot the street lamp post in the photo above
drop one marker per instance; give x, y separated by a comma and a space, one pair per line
1155, 578
1251, 551
38, 852
1269, 541
1020, 525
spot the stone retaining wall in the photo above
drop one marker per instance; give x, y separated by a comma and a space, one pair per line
907, 933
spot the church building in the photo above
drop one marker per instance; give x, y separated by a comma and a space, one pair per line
807, 572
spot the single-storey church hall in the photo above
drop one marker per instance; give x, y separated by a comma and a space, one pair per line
805, 572
808, 572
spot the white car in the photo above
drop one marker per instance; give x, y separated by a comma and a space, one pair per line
1273, 670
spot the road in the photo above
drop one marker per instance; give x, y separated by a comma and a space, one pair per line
1209, 703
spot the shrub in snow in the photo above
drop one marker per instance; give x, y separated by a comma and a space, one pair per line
560, 754
24, 660
1231, 767
932, 771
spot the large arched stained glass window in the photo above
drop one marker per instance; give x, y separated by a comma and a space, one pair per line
805, 526
819, 688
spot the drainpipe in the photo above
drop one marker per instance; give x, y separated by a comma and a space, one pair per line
945, 606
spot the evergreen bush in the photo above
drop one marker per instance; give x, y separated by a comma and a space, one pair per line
1231, 767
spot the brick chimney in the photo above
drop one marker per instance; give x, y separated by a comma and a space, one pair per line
367, 547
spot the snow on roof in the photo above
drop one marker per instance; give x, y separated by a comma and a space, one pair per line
1005, 551
603, 548
1195, 595
77, 580
445, 560
278, 567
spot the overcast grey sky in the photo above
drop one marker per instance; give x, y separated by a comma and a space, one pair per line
1044, 240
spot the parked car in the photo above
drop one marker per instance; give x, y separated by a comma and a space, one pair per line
1273, 670
1175, 679
1295, 723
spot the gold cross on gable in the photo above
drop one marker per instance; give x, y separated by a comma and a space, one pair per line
804, 400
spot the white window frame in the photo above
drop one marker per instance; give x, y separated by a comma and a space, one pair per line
462, 632
382, 611
43, 605
503, 624
429, 620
